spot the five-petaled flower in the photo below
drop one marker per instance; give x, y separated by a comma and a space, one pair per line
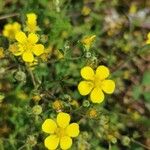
61, 132
95, 83
11, 29
27, 46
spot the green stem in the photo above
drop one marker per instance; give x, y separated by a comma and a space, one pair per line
142, 145
32, 76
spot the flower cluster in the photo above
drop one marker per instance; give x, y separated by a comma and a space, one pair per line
25, 44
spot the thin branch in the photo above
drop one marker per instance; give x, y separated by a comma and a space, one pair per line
32, 76
142, 145
8, 16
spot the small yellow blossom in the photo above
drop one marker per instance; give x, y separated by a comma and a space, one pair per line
27, 46
2, 55
95, 83
64, 34
148, 38
13, 48
47, 53
85, 11
61, 132
11, 29
87, 41
58, 54
92, 113
133, 8
31, 23
74, 103
36, 98
57, 105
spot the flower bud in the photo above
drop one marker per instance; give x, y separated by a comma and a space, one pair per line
20, 76
31, 140
88, 54
125, 140
86, 103
37, 110
57, 105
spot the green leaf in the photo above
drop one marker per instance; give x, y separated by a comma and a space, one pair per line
146, 96
137, 91
144, 50
146, 78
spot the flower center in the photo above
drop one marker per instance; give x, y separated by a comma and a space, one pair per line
60, 132
27, 46
97, 81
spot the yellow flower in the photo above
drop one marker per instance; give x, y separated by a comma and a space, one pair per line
85, 11
57, 105
11, 29
95, 83
32, 23
148, 38
2, 55
47, 54
27, 46
60, 132
58, 54
74, 103
87, 41
133, 8
36, 98
92, 113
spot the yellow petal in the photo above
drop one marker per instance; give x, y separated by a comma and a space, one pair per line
5, 33
87, 73
148, 41
49, 126
65, 142
73, 130
85, 87
148, 35
21, 37
102, 72
27, 57
8, 27
38, 49
108, 86
97, 96
33, 38
51, 142
31, 18
63, 119
16, 26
